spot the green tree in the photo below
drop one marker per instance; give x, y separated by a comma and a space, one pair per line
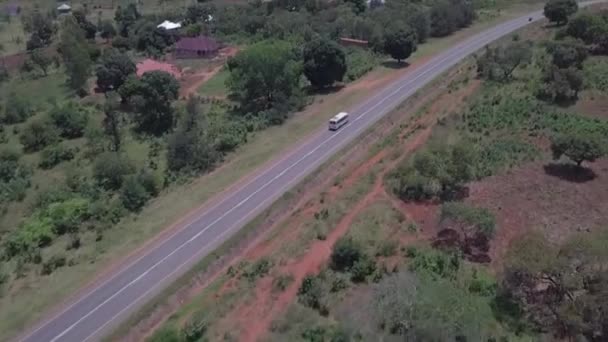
588, 27
70, 118
567, 54
190, 148
448, 16
16, 109
113, 122
151, 98
110, 169
561, 85
113, 70
577, 147
400, 41
41, 60
107, 30
75, 53
499, 63
560, 289
133, 195
558, 11
89, 29
37, 134
346, 253
41, 28
324, 62
265, 75
125, 17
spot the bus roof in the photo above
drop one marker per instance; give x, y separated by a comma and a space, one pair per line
340, 115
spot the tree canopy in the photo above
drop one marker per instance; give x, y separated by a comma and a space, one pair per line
577, 147
265, 76
499, 63
558, 11
324, 62
113, 70
151, 98
74, 50
400, 41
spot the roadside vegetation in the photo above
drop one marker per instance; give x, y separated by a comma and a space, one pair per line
465, 237
86, 145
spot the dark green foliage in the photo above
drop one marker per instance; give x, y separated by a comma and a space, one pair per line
54, 262
558, 11
558, 289
359, 62
14, 176
438, 173
107, 30
110, 168
41, 28
324, 62
17, 109
265, 78
472, 220
578, 147
362, 268
37, 134
345, 254
313, 294
258, 269
133, 194
448, 16
400, 41
151, 98
499, 63
41, 59
566, 54
195, 328
153, 40
125, 17
121, 43
89, 29
75, 52
561, 85
436, 264
70, 118
325, 334
113, 70
55, 154
113, 122
190, 148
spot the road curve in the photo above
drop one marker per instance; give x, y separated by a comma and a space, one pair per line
95, 313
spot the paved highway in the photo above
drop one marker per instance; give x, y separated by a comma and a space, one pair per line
95, 313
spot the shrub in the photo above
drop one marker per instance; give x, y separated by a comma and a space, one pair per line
110, 168
362, 268
68, 216
345, 253
70, 118
313, 294
578, 147
53, 263
258, 269
149, 181
387, 248
133, 194
166, 333
53, 155
16, 110
472, 219
281, 282
14, 176
195, 328
36, 232
37, 134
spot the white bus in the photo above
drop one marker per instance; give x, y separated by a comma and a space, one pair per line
338, 121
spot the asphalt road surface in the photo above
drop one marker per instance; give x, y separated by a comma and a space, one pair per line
95, 313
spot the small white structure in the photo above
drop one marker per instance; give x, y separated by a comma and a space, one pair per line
64, 8
169, 25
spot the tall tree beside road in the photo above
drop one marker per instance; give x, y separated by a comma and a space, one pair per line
265, 75
151, 99
400, 41
558, 11
74, 50
324, 63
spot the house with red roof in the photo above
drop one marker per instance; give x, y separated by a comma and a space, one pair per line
196, 47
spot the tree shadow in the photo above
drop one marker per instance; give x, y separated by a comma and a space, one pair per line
325, 90
392, 64
570, 172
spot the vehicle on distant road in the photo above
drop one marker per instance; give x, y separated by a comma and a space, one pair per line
338, 121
